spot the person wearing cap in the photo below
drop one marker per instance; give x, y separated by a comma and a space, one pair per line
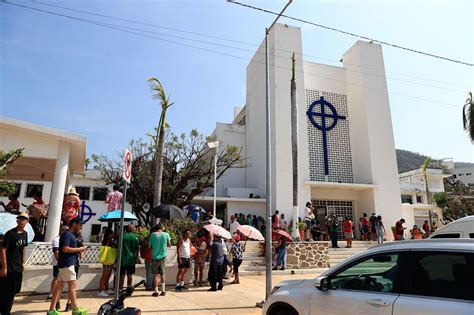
67, 260
237, 251
12, 261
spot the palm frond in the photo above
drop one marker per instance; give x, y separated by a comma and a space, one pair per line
468, 116
425, 164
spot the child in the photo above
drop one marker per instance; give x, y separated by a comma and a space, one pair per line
200, 260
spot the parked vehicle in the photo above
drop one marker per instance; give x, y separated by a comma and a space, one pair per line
116, 307
408, 277
461, 228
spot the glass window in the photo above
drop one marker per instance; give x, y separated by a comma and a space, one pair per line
447, 235
407, 199
418, 199
32, 189
378, 273
471, 235
446, 275
84, 192
100, 193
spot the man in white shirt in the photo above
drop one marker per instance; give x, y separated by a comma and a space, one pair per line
233, 225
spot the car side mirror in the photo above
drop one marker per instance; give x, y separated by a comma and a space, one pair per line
322, 283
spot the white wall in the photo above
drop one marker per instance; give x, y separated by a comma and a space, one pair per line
253, 208
371, 127
462, 175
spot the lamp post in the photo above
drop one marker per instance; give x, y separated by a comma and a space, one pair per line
214, 145
268, 236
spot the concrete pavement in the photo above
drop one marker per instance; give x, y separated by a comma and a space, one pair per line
234, 299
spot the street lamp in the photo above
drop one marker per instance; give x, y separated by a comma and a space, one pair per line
214, 145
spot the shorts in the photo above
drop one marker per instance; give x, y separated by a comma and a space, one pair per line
55, 271
129, 270
158, 266
185, 263
365, 229
107, 267
67, 274
347, 235
308, 224
236, 263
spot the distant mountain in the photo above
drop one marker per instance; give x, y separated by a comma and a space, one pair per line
407, 161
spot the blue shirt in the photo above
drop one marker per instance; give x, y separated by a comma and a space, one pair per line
67, 259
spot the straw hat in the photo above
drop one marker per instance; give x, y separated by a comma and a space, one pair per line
23, 215
72, 191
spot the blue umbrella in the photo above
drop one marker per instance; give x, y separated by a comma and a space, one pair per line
114, 216
8, 222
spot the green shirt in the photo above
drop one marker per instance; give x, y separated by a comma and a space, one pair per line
159, 244
130, 248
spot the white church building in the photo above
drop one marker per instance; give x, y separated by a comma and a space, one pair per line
347, 162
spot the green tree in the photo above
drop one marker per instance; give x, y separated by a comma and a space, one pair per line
188, 170
468, 117
160, 94
457, 201
6, 161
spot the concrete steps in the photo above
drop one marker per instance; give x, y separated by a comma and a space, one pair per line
337, 255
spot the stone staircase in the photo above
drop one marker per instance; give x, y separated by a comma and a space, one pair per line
336, 255
254, 263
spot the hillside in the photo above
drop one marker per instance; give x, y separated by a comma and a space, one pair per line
407, 161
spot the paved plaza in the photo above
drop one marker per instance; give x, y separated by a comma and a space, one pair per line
234, 299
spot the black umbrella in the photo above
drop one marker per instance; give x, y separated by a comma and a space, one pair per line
168, 212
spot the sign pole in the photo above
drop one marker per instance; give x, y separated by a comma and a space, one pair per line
119, 256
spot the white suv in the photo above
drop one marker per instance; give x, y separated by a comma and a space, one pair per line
397, 278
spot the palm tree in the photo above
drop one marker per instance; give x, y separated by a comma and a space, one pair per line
468, 117
294, 146
425, 175
159, 93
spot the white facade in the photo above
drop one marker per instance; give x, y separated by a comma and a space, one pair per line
361, 165
415, 203
52, 160
464, 175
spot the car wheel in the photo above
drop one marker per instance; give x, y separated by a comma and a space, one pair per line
281, 309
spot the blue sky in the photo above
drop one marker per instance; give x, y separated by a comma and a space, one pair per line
91, 80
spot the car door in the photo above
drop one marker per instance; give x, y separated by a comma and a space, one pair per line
368, 286
439, 282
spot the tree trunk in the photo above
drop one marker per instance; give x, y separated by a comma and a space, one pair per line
294, 147
159, 162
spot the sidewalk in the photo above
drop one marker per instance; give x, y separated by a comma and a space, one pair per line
233, 299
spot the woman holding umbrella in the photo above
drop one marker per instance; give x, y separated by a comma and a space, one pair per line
237, 251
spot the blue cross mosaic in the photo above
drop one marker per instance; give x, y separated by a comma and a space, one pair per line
327, 112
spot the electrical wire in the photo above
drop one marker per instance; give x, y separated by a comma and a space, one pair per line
239, 42
120, 28
354, 34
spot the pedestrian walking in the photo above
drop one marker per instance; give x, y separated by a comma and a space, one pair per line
108, 267
67, 261
308, 218
400, 229
130, 253
12, 261
183, 250
237, 251
55, 248
380, 230
347, 229
281, 254
200, 260
159, 243
364, 224
216, 266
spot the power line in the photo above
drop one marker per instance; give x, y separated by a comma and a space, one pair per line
353, 34
239, 42
120, 28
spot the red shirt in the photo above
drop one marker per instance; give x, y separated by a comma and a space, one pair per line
347, 225
399, 228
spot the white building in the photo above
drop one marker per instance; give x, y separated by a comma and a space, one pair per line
464, 175
414, 199
358, 172
52, 160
